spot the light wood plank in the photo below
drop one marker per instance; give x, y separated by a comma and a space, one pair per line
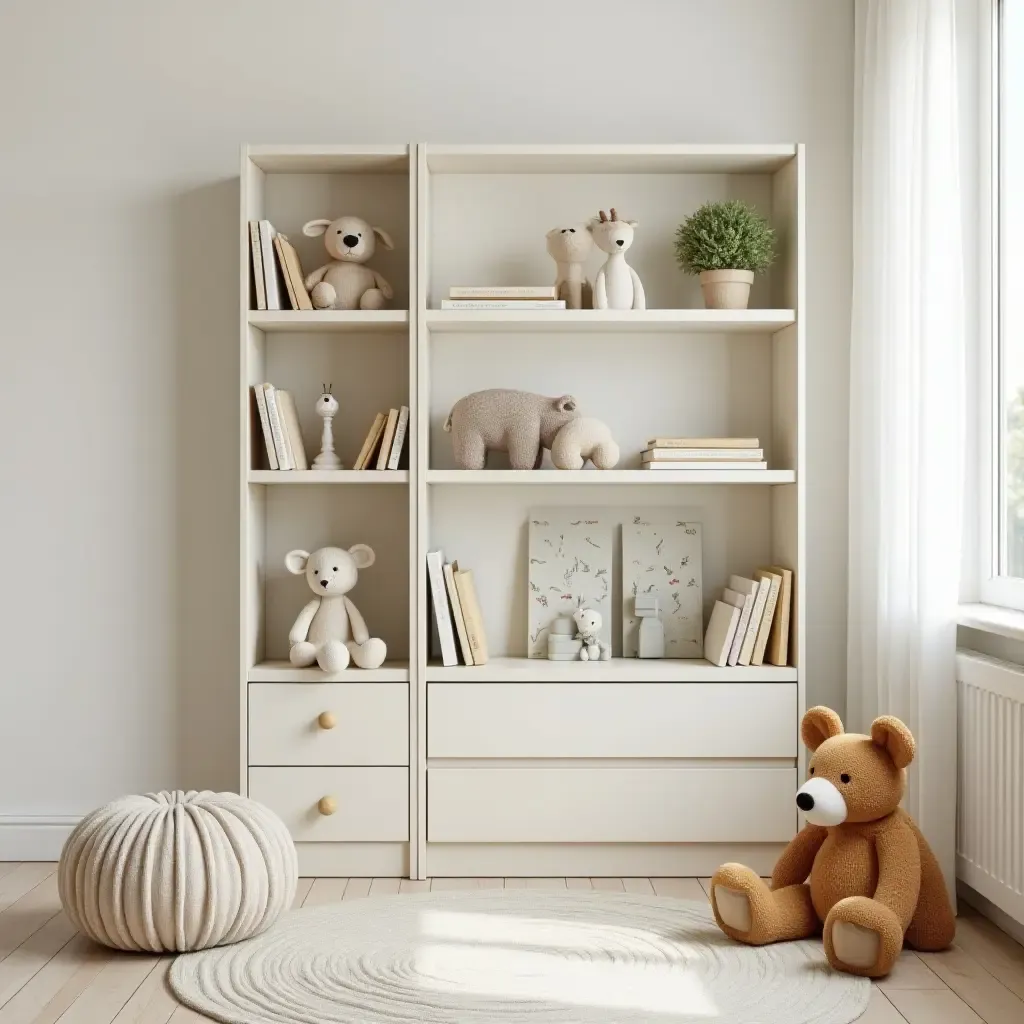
384, 886
446, 884
152, 1002
414, 885
990, 999
302, 891
579, 883
26, 916
515, 883
7, 866
910, 972
680, 888
183, 1015
545, 883
111, 989
920, 1006
880, 1010
608, 884
54, 988
23, 879
357, 888
638, 885
325, 890
999, 954
33, 955
491, 883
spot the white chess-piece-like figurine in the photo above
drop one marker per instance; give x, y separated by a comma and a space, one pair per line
617, 285
326, 409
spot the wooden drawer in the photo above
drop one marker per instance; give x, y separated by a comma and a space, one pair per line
611, 805
372, 803
371, 724
611, 720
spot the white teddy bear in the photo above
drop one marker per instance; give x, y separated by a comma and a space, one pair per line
588, 625
330, 629
343, 283
569, 247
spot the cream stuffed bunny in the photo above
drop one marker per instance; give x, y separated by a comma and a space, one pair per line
330, 629
343, 283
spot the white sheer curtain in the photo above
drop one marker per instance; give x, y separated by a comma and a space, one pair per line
907, 369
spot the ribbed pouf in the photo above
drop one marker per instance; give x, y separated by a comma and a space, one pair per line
170, 872
515, 956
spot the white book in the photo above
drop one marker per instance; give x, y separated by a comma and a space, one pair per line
292, 431
513, 304
268, 437
721, 454
442, 616
450, 569
256, 252
759, 592
270, 278
284, 456
720, 633
400, 430
745, 603
774, 581
514, 291
705, 464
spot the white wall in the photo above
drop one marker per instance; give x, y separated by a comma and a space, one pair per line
118, 211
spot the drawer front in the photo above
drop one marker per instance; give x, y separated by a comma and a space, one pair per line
372, 804
611, 720
611, 805
370, 724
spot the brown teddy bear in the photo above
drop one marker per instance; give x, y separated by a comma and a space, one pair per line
860, 872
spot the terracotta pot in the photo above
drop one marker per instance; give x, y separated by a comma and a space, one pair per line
726, 289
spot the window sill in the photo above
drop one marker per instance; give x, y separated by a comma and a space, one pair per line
990, 618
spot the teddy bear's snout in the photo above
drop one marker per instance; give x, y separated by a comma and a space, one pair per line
323, 583
351, 241
821, 802
804, 801
620, 241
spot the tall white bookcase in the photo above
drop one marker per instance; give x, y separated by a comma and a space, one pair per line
520, 767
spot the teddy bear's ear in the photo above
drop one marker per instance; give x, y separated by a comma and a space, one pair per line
312, 228
296, 561
819, 724
362, 555
566, 403
894, 737
385, 238
633, 223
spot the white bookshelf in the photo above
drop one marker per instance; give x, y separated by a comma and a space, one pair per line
675, 367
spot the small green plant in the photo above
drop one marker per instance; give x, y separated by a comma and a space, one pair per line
725, 236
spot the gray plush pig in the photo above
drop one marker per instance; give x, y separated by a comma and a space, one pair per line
517, 422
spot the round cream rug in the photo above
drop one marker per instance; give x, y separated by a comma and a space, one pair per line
496, 956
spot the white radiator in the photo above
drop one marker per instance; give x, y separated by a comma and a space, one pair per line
990, 804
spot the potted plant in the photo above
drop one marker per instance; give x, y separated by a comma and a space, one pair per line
726, 244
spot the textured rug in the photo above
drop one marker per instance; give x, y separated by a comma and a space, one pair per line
517, 956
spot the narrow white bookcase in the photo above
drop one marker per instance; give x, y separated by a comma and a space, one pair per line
520, 767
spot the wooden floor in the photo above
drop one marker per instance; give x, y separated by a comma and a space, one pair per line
49, 973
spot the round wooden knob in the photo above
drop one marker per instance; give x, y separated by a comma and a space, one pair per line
327, 720
327, 805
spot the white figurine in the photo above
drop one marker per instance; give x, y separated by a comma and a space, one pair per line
588, 625
617, 285
569, 247
327, 408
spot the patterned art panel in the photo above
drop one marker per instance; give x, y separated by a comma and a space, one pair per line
661, 556
570, 568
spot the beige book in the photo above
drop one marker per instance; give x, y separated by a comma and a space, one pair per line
400, 431
268, 437
388, 437
256, 252
293, 432
759, 591
703, 442
292, 270
372, 436
471, 614
778, 639
745, 603
774, 584
720, 633
279, 250
450, 569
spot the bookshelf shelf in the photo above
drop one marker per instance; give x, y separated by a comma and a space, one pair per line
634, 477
285, 672
618, 670
329, 321
328, 476
693, 321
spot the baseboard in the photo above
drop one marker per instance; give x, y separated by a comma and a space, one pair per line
34, 837
984, 906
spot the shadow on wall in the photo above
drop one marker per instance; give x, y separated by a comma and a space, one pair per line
206, 471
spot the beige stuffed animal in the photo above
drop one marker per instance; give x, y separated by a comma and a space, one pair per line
581, 439
344, 283
617, 285
569, 247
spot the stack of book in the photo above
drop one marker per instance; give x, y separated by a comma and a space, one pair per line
281, 433
514, 297
275, 263
703, 453
385, 440
750, 624
458, 624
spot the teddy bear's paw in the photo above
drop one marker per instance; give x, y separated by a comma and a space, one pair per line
302, 654
333, 656
370, 653
732, 887
372, 298
733, 908
862, 936
855, 945
323, 295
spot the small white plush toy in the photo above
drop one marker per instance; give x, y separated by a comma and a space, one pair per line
569, 248
581, 439
617, 285
330, 629
588, 626
344, 283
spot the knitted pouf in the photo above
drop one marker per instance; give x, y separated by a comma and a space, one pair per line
171, 872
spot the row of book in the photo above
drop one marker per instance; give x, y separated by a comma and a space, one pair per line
703, 453
281, 433
458, 622
385, 440
276, 272
750, 624
515, 297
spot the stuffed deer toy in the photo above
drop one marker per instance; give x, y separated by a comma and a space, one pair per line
617, 285
344, 283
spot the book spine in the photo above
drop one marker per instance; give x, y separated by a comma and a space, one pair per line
439, 596
682, 454
268, 437
503, 292
707, 464
516, 304
474, 618
741, 629
269, 269
277, 428
778, 641
292, 430
389, 436
400, 430
765, 628
747, 650
456, 605
702, 442
256, 251
283, 265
